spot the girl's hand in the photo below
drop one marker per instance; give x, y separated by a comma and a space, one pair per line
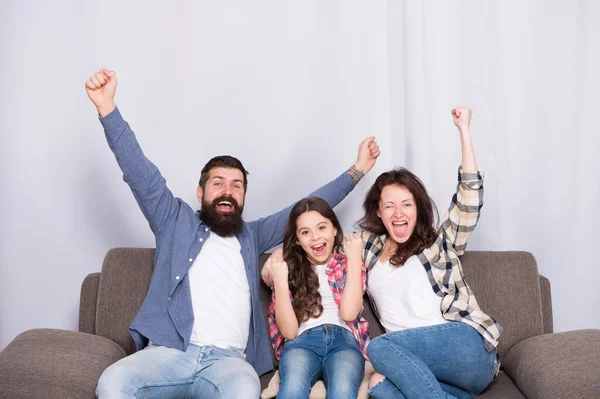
266, 272
279, 271
353, 247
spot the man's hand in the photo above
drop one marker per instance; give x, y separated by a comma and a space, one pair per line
368, 151
462, 118
101, 88
267, 272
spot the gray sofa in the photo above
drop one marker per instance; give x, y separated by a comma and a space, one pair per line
535, 362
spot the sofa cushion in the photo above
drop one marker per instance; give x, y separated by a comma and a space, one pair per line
46, 363
501, 388
561, 365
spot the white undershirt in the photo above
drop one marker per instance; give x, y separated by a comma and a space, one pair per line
220, 295
403, 296
331, 312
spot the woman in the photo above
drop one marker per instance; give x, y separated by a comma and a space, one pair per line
438, 342
316, 305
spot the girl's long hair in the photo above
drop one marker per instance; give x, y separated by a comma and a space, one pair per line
303, 281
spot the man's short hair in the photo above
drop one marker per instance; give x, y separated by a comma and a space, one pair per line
222, 161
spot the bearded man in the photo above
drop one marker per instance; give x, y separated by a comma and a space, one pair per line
200, 331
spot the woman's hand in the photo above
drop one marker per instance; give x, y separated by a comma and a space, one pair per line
462, 119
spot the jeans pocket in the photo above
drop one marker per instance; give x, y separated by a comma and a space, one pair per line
298, 339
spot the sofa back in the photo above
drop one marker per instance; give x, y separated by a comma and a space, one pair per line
506, 285
123, 285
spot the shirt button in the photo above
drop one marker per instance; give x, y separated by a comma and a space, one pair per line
201, 240
169, 298
176, 277
190, 259
206, 229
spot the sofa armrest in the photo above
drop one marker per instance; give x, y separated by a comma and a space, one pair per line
47, 363
561, 365
87, 303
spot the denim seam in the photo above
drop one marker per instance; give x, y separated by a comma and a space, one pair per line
164, 384
443, 326
213, 382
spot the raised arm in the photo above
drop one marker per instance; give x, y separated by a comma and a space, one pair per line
462, 119
271, 228
143, 177
356, 276
285, 316
463, 214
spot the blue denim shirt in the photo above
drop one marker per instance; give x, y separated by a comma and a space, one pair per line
166, 316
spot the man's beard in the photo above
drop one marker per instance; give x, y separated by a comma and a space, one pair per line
224, 224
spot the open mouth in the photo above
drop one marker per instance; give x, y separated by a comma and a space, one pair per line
225, 206
400, 228
319, 249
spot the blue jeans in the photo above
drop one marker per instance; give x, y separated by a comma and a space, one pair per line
326, 352
444, 361
199, 372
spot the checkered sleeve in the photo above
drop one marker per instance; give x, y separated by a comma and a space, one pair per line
462, 216
277, 339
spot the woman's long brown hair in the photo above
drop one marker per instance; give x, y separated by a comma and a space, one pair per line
303, 281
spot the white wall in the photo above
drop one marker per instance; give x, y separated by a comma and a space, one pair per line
291, 89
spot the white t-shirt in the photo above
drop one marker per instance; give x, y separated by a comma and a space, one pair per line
331, 312
220, 295
403, 296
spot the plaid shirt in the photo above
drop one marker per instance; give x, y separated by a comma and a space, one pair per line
336, 275
441, 260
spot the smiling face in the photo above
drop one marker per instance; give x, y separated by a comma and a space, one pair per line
316, 235
222, 201
223, 184
398, 212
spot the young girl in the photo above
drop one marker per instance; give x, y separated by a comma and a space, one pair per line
316, 305
439, 343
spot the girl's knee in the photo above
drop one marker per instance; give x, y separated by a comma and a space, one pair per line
294, 387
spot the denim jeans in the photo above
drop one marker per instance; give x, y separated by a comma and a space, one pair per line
326, 352
199, 372
443, 361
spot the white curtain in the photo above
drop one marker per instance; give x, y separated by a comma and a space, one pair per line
530, 72
291, 88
